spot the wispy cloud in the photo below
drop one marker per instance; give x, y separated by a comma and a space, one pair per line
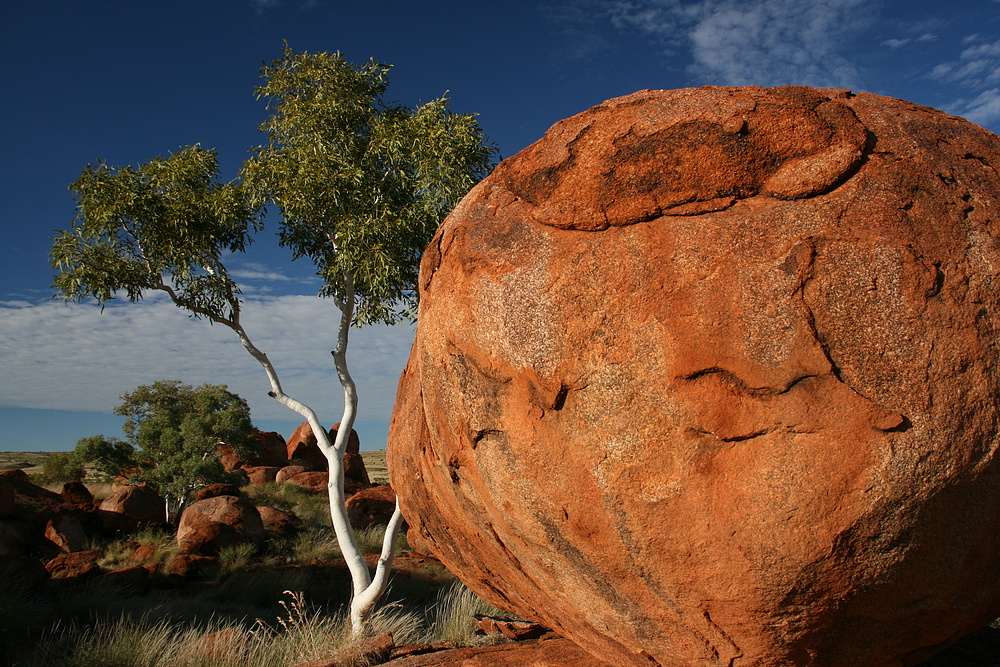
977, 71
73, 357
262, 6
743, 42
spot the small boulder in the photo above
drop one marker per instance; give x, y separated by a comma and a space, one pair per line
311, 481
288, 472
272, 450
145, 553
17, 474
133, 580
129, 508
278, 523
303, 445
75, 565
209, 525
77, 493
371, 507
354, 469
66, 532
190, 565
261, 475
213, 490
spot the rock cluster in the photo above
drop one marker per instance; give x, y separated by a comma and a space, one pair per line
709, 376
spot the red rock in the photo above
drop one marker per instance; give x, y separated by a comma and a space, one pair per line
145, 553
419, 543
75, 565
709, 376
6, 498
371, 507
210, 525
130, 580
229, 459
32, 502
128, 508
513, 629
77, 493
303, 446
354, 469
556, 652
278, 523
190, 565
17, 474
311, 481
273, 452
261, 475
288, 472
65, 531
219, 489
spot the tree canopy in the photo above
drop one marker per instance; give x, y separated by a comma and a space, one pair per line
176, 430
361, 183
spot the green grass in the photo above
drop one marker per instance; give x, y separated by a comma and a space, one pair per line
299, 632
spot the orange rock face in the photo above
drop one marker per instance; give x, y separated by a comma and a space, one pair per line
709, 377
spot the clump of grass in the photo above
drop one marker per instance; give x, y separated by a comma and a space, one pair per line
315, 546
236, 558
452, 616
370, 539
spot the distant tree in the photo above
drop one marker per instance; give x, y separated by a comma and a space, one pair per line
108, 457
361, 185
60, 467
177, 429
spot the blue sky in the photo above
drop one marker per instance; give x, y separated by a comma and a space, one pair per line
124, 81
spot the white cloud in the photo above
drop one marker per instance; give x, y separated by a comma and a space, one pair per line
73, 357
977, 67
896, 43
762, 42
984, 109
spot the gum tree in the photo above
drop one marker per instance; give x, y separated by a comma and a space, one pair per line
361, 185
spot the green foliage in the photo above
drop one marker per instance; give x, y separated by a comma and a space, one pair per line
178, 429
109, 457
61, 467
163, 225
362, 184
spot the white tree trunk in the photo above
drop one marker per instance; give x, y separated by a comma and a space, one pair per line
365, 591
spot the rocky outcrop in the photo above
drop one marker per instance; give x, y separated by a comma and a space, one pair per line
709, 376
270, 452
128, 508
278, 523
210, 525
302, 447
217, 489
261, 475
371, 507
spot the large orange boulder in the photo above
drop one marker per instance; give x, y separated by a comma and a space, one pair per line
709, 377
